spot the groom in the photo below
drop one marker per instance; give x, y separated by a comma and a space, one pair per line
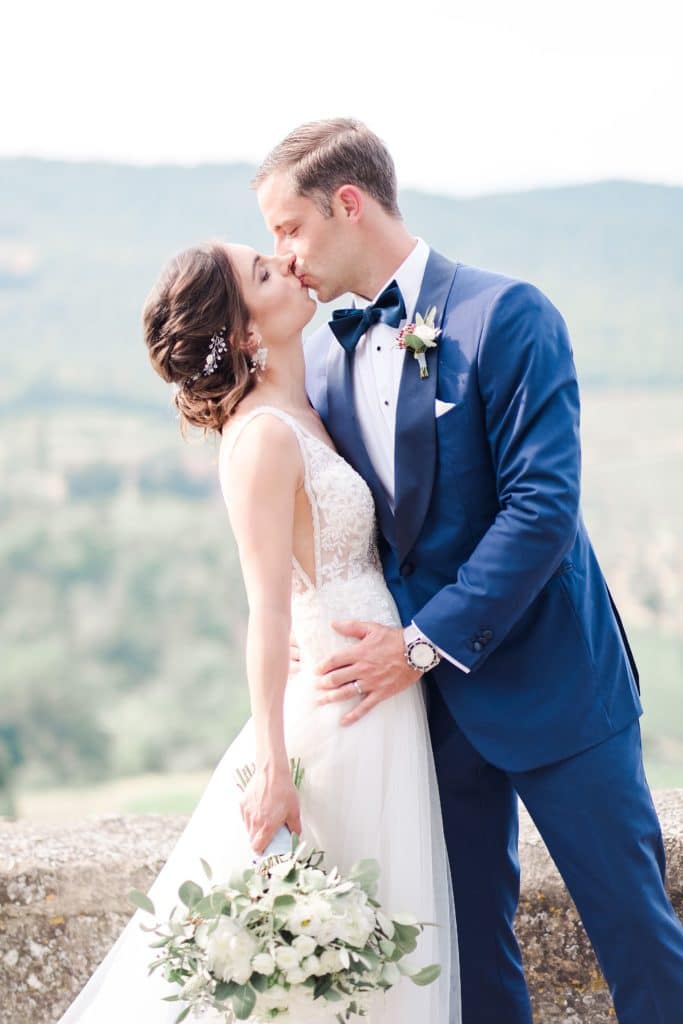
474, 463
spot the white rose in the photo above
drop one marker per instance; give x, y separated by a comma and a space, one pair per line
242, 972
312, 966
296, 976
304, 945
263, 963
287, 958
229, 951
331, 961
307, 916
327, 932
357, 921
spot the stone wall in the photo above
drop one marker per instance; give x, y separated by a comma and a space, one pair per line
63, 901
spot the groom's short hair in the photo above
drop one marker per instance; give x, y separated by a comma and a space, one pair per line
321, 156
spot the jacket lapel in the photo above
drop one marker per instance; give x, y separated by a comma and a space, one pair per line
344, 428
415, 445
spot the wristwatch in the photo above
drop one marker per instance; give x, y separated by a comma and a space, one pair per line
420, 653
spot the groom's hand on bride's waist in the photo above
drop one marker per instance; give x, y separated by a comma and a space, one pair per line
369, 671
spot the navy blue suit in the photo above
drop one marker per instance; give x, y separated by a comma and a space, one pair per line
488, 553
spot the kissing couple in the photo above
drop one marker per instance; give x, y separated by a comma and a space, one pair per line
429, 628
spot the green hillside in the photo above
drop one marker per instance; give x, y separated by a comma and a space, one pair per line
80, 245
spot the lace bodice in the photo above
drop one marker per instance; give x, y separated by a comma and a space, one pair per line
348, 573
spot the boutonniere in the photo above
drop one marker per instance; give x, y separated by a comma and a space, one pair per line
419, 337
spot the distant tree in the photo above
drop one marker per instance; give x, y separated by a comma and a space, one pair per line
96, 480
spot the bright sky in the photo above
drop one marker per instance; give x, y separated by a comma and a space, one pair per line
471, 97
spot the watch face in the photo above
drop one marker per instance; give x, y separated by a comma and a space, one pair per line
421, 655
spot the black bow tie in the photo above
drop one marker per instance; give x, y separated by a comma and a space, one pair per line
349, 325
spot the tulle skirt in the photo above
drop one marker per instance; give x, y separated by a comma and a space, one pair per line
369, 790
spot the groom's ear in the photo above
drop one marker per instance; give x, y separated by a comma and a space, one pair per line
350, 201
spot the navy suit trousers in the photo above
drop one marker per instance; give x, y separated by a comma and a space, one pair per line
595, 813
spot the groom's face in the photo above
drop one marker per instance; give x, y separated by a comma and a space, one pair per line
323, 245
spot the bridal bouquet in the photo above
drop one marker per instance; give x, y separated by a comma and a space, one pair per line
286, 940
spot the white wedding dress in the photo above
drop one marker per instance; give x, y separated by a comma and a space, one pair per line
369, 789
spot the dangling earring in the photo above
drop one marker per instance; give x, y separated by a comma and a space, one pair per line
259, 359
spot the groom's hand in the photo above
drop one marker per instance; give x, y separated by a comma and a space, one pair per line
376, 662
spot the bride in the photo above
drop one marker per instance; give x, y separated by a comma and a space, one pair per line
224, 325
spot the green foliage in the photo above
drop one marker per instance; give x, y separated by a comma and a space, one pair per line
141, 900
117, 613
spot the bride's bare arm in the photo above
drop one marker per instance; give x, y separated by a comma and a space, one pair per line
264, 471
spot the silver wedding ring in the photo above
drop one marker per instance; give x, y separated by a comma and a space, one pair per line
359, 688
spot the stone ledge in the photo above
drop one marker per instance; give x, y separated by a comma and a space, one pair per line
54, 930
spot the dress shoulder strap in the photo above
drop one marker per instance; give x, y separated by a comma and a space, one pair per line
227, 444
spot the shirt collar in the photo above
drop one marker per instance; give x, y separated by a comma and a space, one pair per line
408, 277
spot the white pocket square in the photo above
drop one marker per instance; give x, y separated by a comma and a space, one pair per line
441, 407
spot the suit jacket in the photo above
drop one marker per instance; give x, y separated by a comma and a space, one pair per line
487, 550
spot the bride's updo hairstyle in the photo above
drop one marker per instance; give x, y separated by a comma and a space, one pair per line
196, 298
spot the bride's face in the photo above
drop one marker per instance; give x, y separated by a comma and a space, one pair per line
279, 304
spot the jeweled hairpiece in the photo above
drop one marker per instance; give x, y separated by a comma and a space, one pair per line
217, 347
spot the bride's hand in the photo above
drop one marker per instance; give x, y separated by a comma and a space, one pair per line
269, 801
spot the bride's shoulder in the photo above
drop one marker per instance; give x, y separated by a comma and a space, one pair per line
259, 448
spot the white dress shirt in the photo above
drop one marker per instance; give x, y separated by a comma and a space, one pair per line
377, 368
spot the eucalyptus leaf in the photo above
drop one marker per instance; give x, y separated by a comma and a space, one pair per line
385, 923
407, 919
405, 938
190, 893
207, 868
321, 986
365, 873
217, 902
139, 899
224, 989
259, 982
204, 906
426, 975
183, 1014
243, 1002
